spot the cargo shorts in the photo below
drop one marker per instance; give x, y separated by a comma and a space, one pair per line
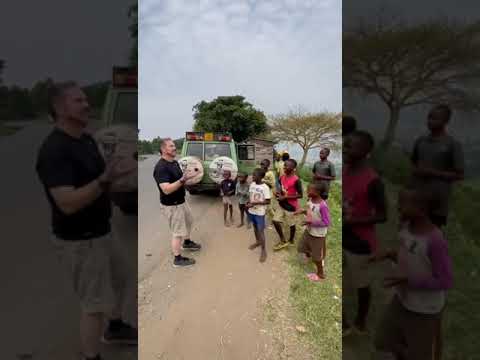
179, 218
89, 268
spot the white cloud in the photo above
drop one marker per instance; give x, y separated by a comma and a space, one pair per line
277, 54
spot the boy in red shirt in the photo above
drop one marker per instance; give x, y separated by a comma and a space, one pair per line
364, 206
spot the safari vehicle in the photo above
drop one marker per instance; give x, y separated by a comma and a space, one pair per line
121, 108
209, 148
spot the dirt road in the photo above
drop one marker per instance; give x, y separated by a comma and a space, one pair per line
214, 310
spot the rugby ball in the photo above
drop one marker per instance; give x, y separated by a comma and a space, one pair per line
192, 165
119, 143
219, 165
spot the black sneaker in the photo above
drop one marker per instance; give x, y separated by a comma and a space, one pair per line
183, 261
191, 246
123, 335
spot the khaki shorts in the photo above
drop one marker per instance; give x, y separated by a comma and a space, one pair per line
227, 200
179, 219
88, 265
357, 269
283, 216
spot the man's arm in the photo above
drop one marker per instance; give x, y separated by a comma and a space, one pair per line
169, 188
70, 200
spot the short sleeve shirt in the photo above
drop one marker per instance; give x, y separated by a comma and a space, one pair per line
444, 154
228, 187
64, 160
169, 172
259, 193
325, 168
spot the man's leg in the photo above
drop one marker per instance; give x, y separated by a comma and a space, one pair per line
188, 244
176, 245
91, 328
261, 239
231, 212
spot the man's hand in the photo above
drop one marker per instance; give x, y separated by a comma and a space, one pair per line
187, 176
248, 205
307, 223
113, 171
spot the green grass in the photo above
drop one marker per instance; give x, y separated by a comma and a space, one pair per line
461, 319
318, 305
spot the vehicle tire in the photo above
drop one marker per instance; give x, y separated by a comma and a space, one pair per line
192, 165
219, 165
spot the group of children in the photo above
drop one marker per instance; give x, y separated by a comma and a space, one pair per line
279, 196
421, 273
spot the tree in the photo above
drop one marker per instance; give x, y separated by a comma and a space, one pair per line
19, 104
133, 16
39, 95
229, 114
97, 93
409, 65
307, 130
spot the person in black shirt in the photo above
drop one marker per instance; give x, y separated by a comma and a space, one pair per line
76, 181
171, 183
227, 187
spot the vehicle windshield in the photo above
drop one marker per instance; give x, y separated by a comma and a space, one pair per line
126, 109
195, 149
212, 151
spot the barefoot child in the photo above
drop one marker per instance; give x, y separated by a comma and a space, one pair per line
227, 189
409, 328
242, 192
257, 207
318, 221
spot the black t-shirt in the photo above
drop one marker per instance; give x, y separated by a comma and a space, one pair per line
169, 172
67, 161
228, 187
351, 241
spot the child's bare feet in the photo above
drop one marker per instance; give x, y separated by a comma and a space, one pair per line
263, 256
249, 226
240, 225
254, 246
226, 224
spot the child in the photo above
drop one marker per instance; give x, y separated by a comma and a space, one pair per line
269, 178
438, 162
257, 207
318, 221
242, 192
364, 206
410, 325
227, 190
290, 191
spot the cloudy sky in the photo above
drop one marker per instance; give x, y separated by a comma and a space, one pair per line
279, 54
65, 40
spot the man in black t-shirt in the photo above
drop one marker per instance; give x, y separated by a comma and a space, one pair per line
76, 181
171, 183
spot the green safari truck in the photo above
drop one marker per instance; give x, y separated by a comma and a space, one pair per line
208, 146
121, 108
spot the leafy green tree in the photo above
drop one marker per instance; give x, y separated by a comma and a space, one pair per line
229, 114
19, 104
409, 65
